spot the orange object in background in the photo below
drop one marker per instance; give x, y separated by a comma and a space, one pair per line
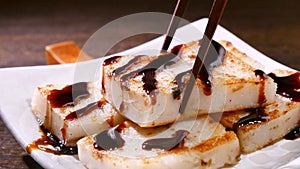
65, 52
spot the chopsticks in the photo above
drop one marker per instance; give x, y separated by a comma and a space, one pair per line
177, 15
214, 19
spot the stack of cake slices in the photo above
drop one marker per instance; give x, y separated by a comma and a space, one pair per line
132, 120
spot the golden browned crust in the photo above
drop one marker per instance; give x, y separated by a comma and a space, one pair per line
273, 113
215, 142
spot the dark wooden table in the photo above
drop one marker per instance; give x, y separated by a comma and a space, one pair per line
26, 27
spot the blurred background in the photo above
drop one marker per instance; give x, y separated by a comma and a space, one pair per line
26, 27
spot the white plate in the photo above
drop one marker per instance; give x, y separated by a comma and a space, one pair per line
17, 86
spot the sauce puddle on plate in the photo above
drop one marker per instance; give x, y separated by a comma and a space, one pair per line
51, 144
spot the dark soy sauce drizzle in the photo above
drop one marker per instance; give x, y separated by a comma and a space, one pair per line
257, 115
107, 62
68, 95
215, 55
86, 110
111, 60
177, 49
148, 73
203, 75
149, 82
109, 139
288, 86
147, 76
128, 65
262, 77
165, 143
154, 65
48, 139
294, 134
180, 81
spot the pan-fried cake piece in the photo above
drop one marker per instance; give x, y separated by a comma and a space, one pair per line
257, 128
148, 89
193, 144
73, 111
